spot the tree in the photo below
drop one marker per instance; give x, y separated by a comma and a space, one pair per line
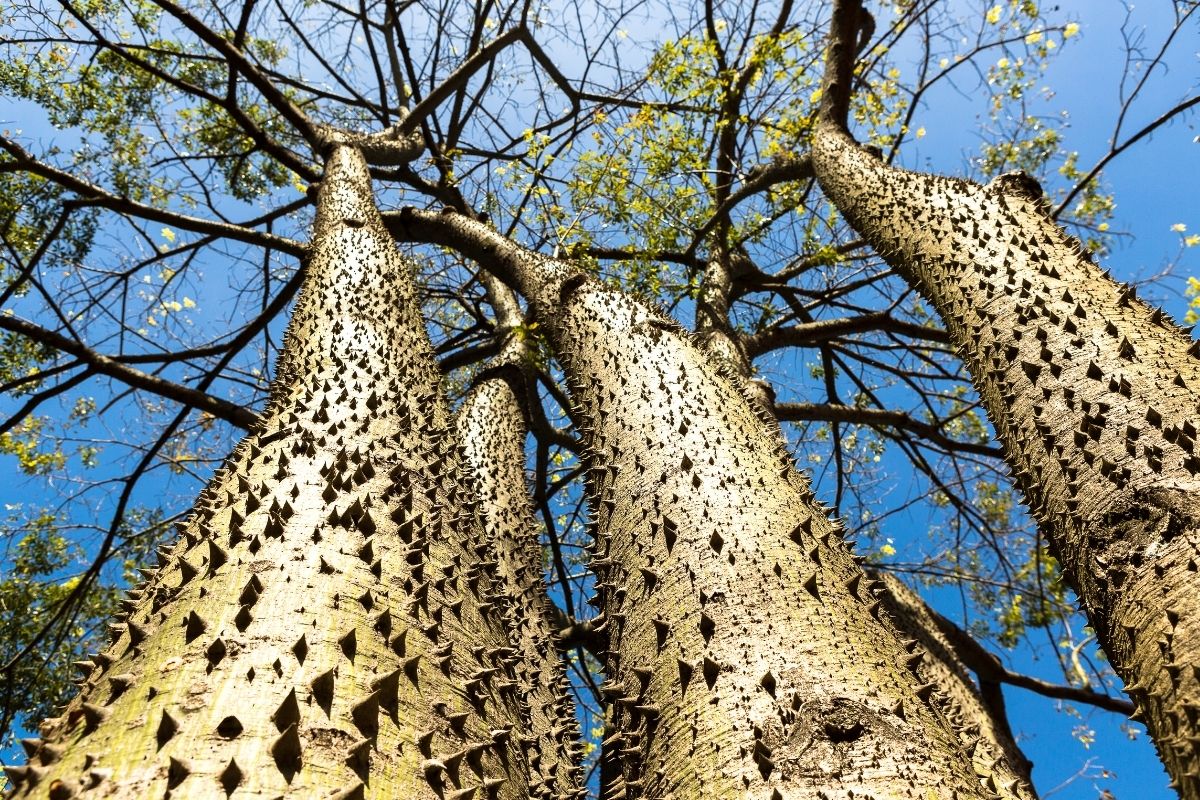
1091, 390
311, 607
742, 645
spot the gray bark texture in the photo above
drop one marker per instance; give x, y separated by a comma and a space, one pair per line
493, 429
981, 721
1093, 394
326, 624
749, 655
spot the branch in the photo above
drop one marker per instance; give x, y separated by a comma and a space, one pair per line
238, 61
813, 333
1118, 149
458, 78
988, 667
104, 365
466, 356
577, 633
878, 417
623, 254
392, 147
40, 397
100, 197
524, 270
836, 87
252, 129
781, 169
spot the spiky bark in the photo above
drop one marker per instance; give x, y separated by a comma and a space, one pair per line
713, 326
983, 725
323, 626
749, 656
492, 429
1093, 394
995, 752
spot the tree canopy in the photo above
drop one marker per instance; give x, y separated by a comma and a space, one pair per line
156, 191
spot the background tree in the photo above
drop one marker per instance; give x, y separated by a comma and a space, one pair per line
669, 163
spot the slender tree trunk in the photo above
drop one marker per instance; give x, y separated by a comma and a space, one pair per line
1094, 397
749, 655
713, 326
492, 429
324, 626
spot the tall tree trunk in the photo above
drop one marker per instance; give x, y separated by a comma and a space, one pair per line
987, 737
749, 655
492, 430
324, 626
713, 326
1093, 394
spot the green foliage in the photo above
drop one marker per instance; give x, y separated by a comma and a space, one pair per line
123, 106
881, 109
964, 420
1033, 142
29, 206
37, 441
104, 96
44, 561
208, 130
651, 174
1042, 607
36, 454
20, 358
41, 571
1192, 292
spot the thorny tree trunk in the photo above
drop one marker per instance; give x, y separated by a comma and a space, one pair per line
749, 656
1093, 394
981, 720
492, 429
324, 620
984, 716
713, 327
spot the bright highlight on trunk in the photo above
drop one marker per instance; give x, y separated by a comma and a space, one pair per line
327, 624
749, 655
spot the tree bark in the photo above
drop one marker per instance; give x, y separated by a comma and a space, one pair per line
749, 655
1092, 393
712, 324
324, 625
994, 752
492, 430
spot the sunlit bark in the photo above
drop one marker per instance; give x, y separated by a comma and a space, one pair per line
748, 652
323, 626
492, 430
1093, 394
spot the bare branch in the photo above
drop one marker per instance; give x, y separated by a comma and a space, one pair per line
104, 365
24, 160
878, 417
